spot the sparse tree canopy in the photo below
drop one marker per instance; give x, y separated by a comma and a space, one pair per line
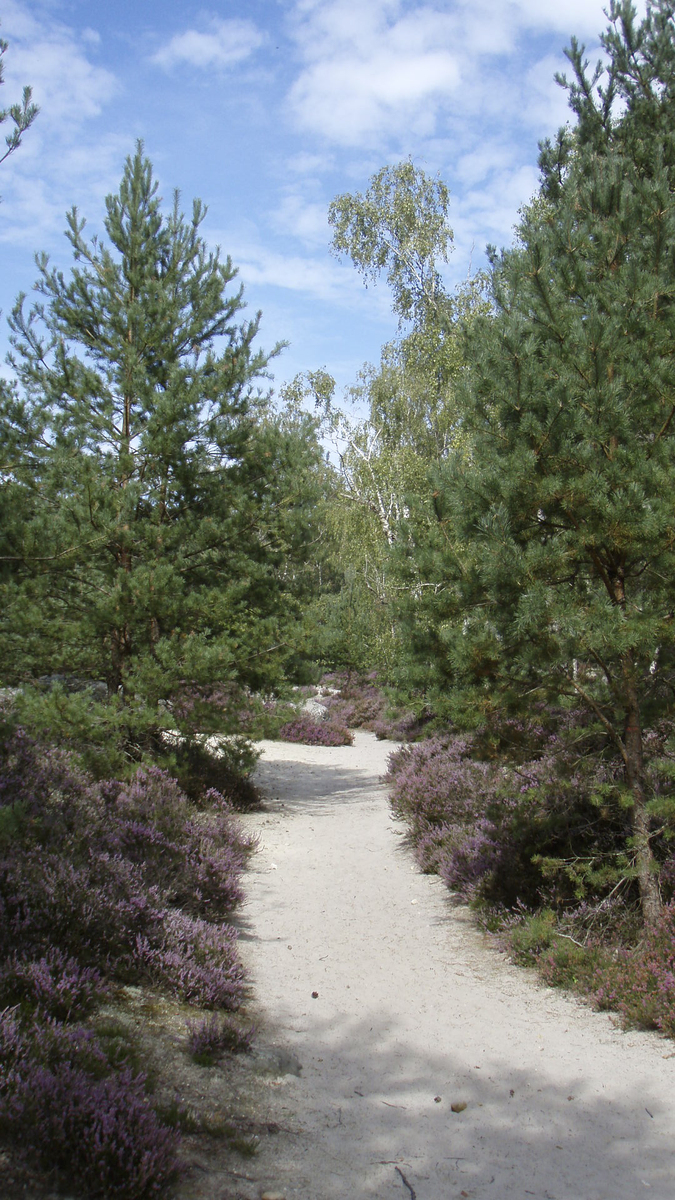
399, 227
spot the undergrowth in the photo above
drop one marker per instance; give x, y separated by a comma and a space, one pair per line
530, 823
104, 883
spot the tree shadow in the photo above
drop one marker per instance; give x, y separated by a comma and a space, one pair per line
300, 786
377, 1101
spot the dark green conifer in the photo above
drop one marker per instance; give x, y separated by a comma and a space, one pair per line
555, 557
162, 502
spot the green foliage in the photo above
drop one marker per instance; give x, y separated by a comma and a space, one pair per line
532, 935
163, 509
399, 226
554, 551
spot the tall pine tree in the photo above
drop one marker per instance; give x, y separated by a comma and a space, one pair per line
161, 500
556, 556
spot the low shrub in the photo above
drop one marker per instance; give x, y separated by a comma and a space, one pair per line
98, 1131
309, 731
639, 982
210, 1038
531, 821
225, 768
549, 829
101, 883
54, 983
359, 702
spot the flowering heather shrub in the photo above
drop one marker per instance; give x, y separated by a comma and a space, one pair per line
359, 702
122, 857
99, 882
640, 982
62, 1109
54, 983
310, 732
401, 727
209, 1038
549, 829
92, 912
101, 1134
195, 960
197, 862
444, 797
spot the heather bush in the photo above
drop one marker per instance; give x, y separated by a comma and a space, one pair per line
604, 953
396, 727
530, 813
359, 702
59, 1103
209, 1038
307, 730
195, 855
54, 983
123, 860
639, 982
101, 1135
193, 959
103, 882
531, 821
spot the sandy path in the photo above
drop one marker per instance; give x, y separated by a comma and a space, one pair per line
412, 1006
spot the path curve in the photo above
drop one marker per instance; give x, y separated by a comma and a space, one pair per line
415, 1013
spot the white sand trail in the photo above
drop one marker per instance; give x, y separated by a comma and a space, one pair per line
413, 1005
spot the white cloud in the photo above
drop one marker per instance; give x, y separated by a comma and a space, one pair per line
305, 163
374, 71
315, 277
480, 163
579, 17
221, 44
369, 67
67, 85
583, 18
547, 100
62, 157
306, 221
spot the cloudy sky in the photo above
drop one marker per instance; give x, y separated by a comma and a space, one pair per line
267, 109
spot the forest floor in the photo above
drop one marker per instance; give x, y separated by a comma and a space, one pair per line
399, 1011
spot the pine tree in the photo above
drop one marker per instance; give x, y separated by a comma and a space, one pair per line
163, 500
556, 550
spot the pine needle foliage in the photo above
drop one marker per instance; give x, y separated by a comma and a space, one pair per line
164, 510
554, 552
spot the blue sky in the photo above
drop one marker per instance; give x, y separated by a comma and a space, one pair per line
266, 109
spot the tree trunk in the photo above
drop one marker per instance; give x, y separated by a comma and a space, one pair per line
634, 769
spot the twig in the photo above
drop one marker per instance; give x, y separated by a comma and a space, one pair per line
581, 945
413, 1193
